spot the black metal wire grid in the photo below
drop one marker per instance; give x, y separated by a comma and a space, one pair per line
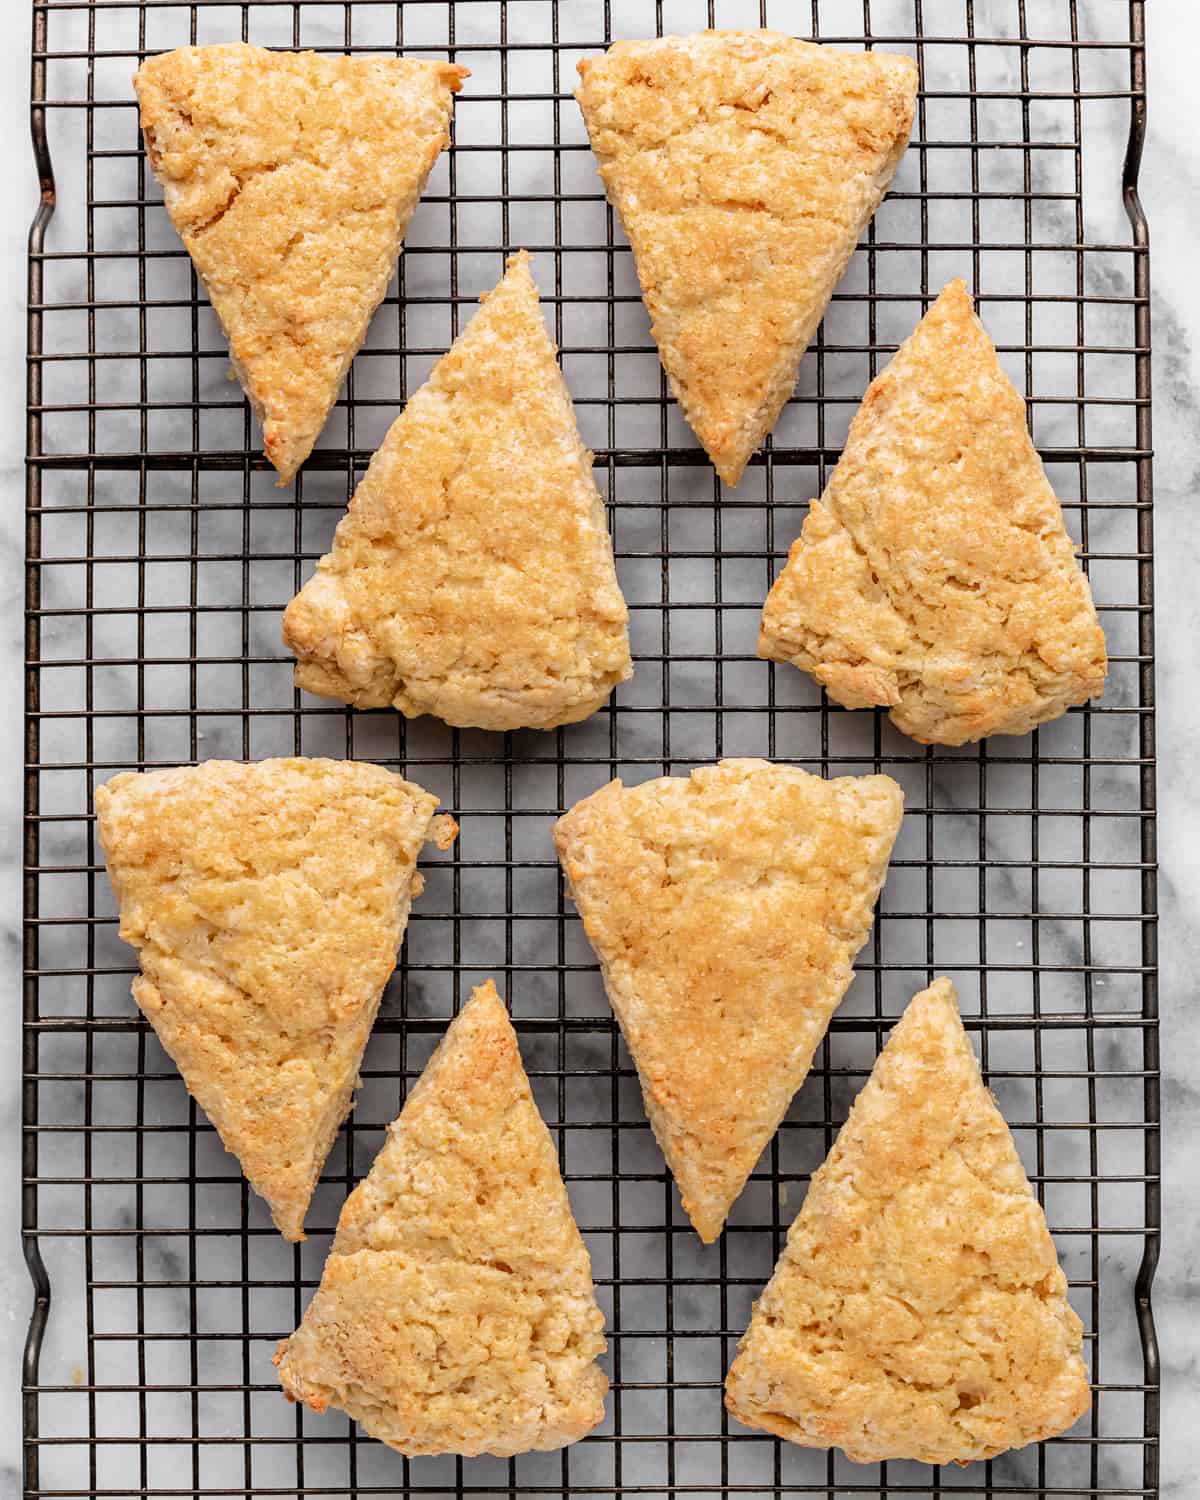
160, 557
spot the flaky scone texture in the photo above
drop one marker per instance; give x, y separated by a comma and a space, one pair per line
456, 1312
918, 1310
726, 908
473, 575
935, 577
266, 903
744, 166
291, 178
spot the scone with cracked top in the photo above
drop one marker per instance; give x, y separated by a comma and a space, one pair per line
456, 1312
935, 577
918, 1310
473, 577
266, 903
744, 166
726, 909
291, 178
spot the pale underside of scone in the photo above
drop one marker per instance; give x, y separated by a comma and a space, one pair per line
472, 576
291, 178
935, 577
456, 1312
744, 167
726, 909
266, 903
918, 1310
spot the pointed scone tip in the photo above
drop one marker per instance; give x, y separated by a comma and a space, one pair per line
266, 903
919, 1310
936, 577
744, 167
725, 909
291, 178
456, 1312
472, 577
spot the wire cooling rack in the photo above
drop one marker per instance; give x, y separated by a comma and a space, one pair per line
161, 556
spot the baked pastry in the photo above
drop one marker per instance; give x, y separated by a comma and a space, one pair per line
936, 577
744, 166
266, 903
456, 1312
726, 909
918, 1310
291, 178
473, 576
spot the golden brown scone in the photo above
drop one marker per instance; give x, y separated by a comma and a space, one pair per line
936, 577
291, 179
456, 1312
726, 909
266, 903
744, 166
473, 576
918, 1310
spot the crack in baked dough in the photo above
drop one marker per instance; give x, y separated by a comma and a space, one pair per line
239, 186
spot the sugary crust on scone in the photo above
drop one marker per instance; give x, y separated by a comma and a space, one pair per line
456, 1312
473, 575
726, 909
936, 576
266, 903
919, 1310
744, 166
291, 178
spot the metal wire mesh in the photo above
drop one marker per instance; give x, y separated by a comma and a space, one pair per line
160, 557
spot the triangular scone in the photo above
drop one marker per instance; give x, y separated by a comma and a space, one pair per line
456, 1312
744, 166
266, 903
726, 909
291, 179
919, 1310
473, 576
936, 577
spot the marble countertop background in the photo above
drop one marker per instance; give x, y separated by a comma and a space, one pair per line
1171, 192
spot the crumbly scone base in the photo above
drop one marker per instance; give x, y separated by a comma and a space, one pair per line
472, 577
744, 166
291, 178
936, 576
266, 903
456, 1312
726, 909
918, 1310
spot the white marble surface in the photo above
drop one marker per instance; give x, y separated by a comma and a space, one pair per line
1171, 189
